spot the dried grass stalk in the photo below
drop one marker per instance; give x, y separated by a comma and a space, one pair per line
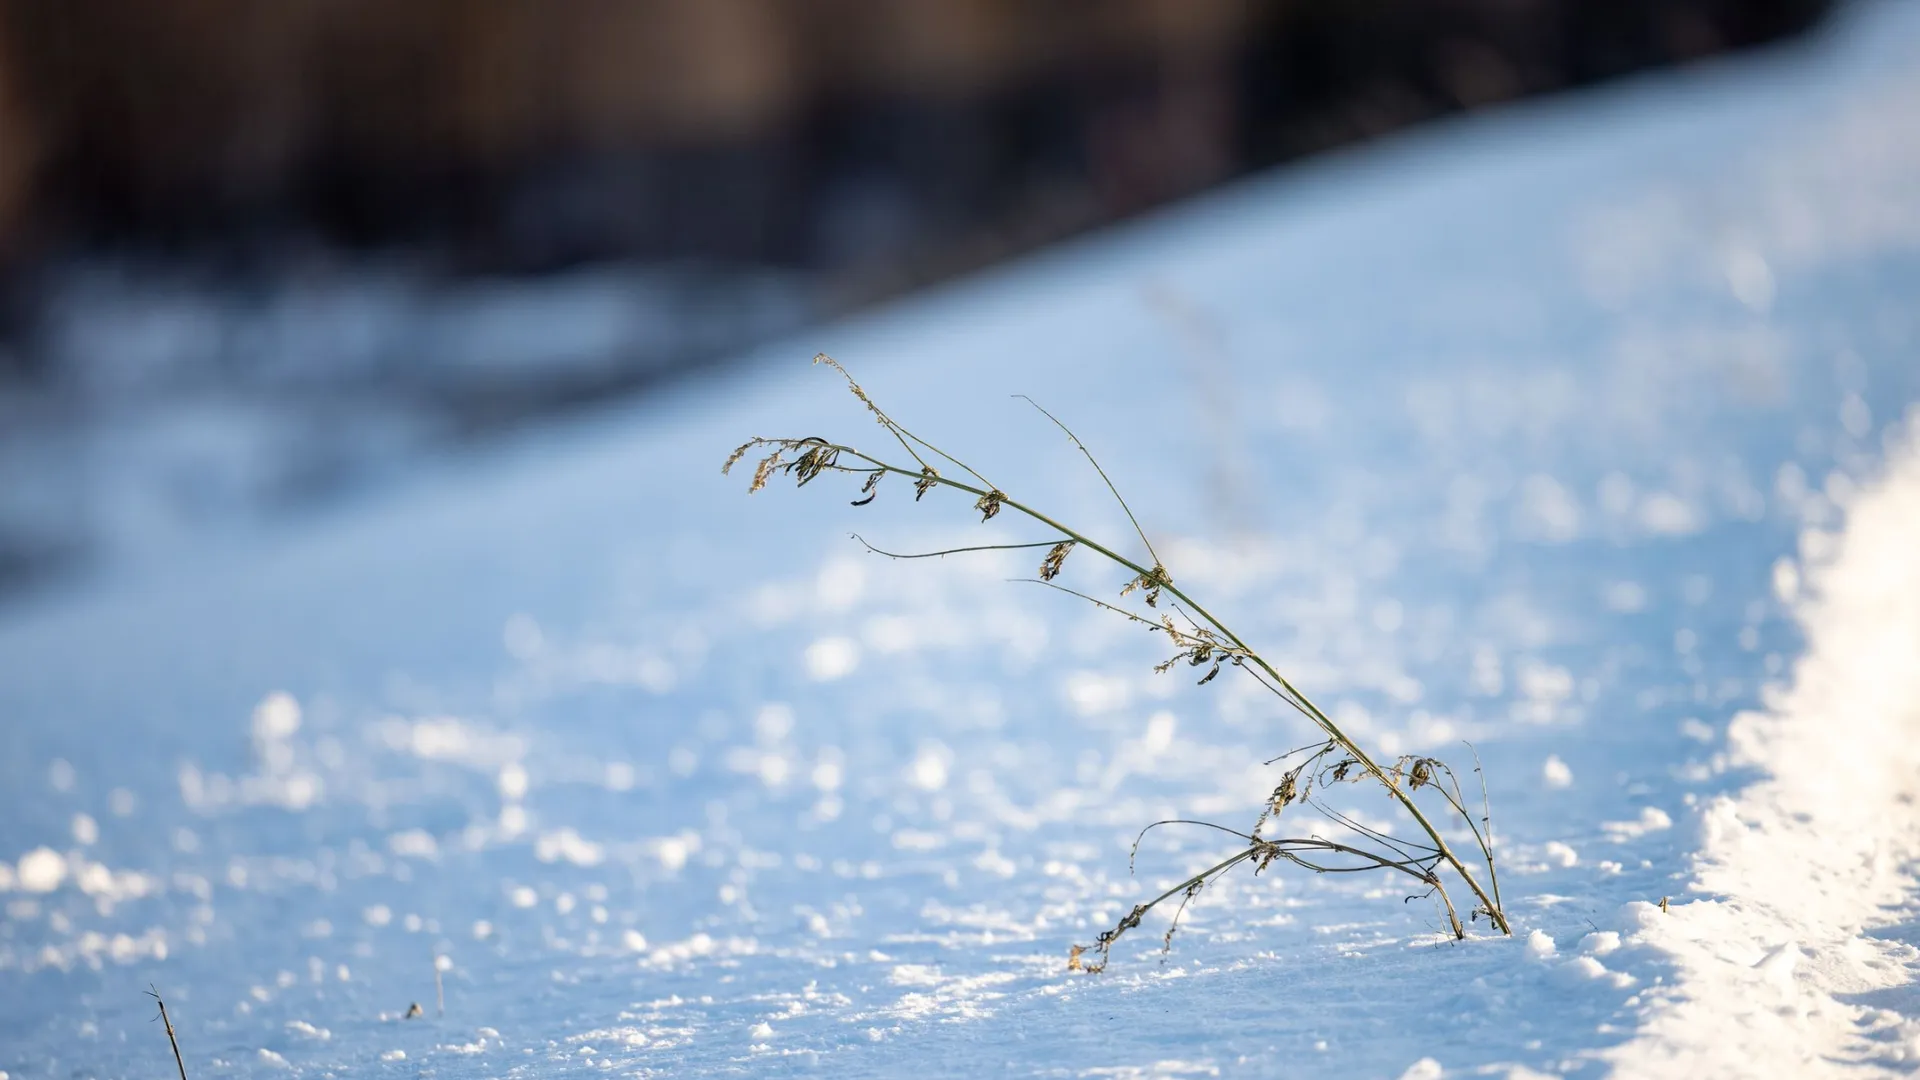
1200, 641
172, 1040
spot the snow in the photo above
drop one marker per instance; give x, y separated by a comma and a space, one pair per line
40, 871
1800, 869
1556, 773
659, 779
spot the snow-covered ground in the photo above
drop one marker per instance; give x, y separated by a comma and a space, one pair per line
1577, 432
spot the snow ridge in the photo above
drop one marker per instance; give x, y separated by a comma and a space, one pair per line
1800, 867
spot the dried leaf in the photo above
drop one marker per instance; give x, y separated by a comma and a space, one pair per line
1050, 566
1422, 773
989, 504
1285, 793
818, 458
1152, 581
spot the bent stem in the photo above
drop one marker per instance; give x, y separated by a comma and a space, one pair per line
167, 1021
1209, 639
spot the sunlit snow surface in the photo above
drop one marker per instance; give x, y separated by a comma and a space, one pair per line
1514, 432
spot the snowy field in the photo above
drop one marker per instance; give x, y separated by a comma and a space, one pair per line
1585, 432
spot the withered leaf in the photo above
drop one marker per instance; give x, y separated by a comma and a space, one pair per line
1050, 566
989, 504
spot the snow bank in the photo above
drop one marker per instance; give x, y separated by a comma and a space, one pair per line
1798, 869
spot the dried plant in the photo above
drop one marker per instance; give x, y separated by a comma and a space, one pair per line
167, 1022
1200, 641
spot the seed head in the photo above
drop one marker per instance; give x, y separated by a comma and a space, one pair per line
764, 471
818, 458
1152, 581
989, 504
734, 458
1422, 773
1050, 566
1285, 793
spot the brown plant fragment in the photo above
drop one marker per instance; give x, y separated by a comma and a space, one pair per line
734, 458
764, 471
1152, 581
1050, 566
989, 504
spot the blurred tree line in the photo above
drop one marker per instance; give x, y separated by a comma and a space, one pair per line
252, 249
901, 137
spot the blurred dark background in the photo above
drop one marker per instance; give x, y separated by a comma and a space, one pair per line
252, 253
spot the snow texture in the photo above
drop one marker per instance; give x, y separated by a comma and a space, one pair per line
1778, 961
1581, 432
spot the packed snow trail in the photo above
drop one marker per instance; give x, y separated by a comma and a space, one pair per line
1797, 870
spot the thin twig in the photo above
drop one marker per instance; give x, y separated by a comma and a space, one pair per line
899, 431
1103, 475
1321, 746
1299, 706
1398, 846
1091, 600
1486, 818
1134, 851
951, 551
885, 420
172, 1040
